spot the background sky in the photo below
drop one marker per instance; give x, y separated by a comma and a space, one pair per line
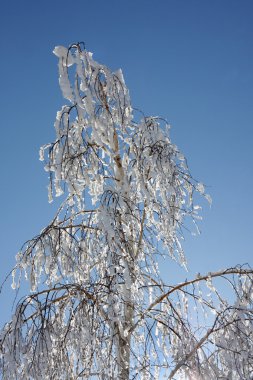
189, 61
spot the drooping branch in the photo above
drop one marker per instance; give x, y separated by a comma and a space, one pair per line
174, 288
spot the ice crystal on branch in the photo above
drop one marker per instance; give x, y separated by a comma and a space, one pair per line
98, 308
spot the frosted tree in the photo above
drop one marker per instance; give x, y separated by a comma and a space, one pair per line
98, 307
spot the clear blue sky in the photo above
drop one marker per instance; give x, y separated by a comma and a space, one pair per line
190, 61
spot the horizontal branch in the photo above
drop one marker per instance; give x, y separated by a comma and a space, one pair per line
158, 300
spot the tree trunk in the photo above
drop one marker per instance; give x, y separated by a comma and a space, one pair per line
124, 345
124, 358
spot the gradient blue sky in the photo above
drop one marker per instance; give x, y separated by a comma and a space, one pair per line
190, 61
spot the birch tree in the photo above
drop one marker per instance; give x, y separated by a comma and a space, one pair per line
98, 307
